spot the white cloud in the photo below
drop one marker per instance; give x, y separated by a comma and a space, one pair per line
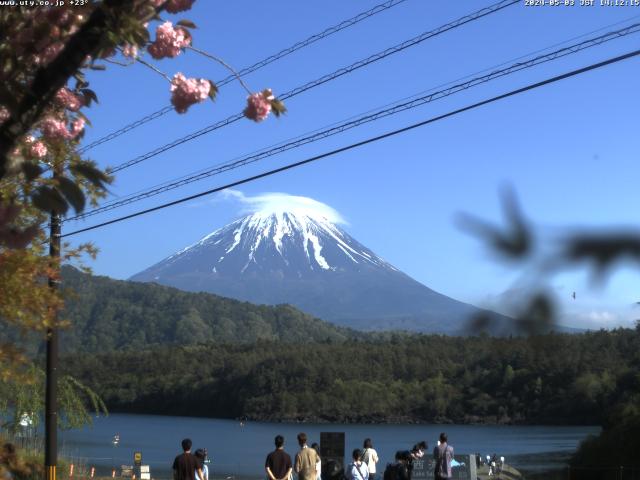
599, 318
276, 202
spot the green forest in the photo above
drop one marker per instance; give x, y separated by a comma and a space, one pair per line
549, 379
107, 315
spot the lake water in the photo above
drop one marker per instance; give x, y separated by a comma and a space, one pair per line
240, 451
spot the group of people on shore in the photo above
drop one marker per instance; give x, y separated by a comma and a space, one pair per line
307, 464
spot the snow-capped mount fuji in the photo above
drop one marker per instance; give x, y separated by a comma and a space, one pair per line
302, 258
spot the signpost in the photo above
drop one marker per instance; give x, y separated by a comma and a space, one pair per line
464, 469
137, 458
422, 468
145, 474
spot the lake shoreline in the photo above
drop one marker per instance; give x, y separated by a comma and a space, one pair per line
238, 448
367, 420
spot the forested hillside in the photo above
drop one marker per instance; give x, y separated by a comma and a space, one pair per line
555, 378
108, 314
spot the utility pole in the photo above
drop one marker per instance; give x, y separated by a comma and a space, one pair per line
51, 395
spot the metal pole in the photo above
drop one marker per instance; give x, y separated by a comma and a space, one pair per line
51, 392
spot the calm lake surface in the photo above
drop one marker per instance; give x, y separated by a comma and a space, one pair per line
240, 451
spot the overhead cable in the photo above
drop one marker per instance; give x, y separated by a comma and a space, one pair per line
326, 78
352, 146
361, 120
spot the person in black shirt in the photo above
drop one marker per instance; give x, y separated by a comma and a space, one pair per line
278, 464
186, 465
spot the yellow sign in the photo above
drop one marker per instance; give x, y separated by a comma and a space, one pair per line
137, 458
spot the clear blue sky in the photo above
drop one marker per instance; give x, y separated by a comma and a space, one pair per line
570, 150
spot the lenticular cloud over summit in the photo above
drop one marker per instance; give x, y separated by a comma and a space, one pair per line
278, 203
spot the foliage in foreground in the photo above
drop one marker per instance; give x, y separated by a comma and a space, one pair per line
23, 400
618, 445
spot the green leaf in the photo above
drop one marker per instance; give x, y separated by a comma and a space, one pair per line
213, 91
187, 24
72, 192
80, 80
31, 170
85, 118
277, 107
49, 199
89, 96
92, 173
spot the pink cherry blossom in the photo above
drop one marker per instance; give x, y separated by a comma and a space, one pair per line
169, 41
56, 129
67, 99
258, 105
38, 149
77, 126
130, 51
175, 6
187, 91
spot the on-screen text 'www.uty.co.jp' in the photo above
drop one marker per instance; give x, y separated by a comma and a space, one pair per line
43, 3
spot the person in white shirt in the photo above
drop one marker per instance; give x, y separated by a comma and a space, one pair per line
358, 469
202, 457
370, 458
316, 447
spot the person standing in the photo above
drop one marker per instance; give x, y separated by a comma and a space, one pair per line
306, 459
370, 458
316, 447
202, 456
186, 465
358, 469
400, 470
278, 463
443, 454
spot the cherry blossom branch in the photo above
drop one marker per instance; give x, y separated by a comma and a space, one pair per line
224, 64
152, 67
116, 62
50, 78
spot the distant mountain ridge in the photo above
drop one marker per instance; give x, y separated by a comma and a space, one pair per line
109, 315
301, 258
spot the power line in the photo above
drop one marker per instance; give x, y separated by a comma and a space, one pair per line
361, 120
432, 89
326, 78
256, 66
290, 166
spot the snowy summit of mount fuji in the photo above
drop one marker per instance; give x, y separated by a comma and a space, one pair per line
297, 239
294, 250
